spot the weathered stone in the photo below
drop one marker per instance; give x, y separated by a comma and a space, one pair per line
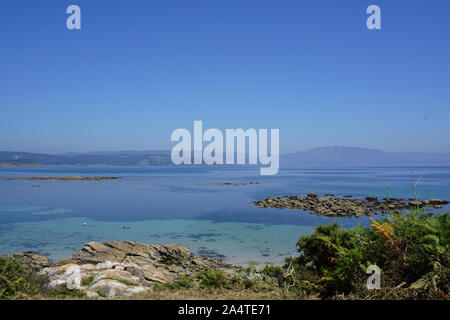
414, 203
31, 260
129, 251
437, 202
113, 288
118, 268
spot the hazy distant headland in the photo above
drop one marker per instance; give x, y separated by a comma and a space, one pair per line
324, 156
96, 158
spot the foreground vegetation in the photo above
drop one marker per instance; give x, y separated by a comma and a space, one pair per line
21, 282
410, 249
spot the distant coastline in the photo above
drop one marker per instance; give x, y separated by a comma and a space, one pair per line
68, 178
324, 156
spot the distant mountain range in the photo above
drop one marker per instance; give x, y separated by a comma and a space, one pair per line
353, 156
324, 156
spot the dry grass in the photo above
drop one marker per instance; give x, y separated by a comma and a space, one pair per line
207, 294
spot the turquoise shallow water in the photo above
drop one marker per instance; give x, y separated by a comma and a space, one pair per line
186, 205
240, 243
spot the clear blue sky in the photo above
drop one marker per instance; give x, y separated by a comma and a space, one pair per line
139, 69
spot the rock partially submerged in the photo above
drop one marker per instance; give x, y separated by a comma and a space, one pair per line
117, 268
237, 184
340, 207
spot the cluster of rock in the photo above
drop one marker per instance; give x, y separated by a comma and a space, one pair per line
237, 184
68, 178
331, 206
118, 268
34, 261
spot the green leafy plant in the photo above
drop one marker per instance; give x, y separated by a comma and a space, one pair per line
275, 272
101, 294
124, 281
16, 279
185, 282
128, 282
213, 279
63, 292
87, 281
250, 269
406, 246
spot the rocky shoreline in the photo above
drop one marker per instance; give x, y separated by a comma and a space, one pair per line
116, 269
120, 268
330, 206
68, 178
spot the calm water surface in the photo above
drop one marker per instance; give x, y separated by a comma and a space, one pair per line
186, 205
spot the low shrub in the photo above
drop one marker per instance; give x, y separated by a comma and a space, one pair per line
16, 279
185, 282
63, 292
275, 272
87, 281
213, 279
409, 248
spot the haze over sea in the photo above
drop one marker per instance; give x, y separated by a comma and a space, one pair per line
188, 205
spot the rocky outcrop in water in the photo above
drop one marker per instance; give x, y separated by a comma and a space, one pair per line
69, 178
340, 207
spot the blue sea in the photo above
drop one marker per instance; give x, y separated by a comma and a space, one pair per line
189, 206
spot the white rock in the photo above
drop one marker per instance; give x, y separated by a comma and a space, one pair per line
106, 278
112, 288
70, 275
